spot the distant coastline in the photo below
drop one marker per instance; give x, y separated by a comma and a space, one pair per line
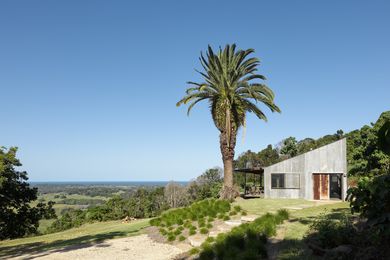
106, 183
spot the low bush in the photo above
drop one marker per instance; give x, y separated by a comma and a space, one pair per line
329, 232
182, 238
194, 251
204, 231
210, 239
197, 212
192, 232
246, 241
232, 213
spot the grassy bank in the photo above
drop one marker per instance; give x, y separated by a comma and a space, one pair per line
292, 232
85, 235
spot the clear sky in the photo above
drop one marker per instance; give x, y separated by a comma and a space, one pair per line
88, 88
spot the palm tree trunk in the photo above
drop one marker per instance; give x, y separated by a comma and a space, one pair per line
227, 145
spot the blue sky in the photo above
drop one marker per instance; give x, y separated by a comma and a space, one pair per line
88, 88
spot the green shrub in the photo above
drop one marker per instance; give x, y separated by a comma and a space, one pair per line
232, 213
210, 219
226, 217
194, 251
237, 208
177, 232
179, 221
192, 232
207, 253
246, 241
244, 213
204, 231
282, 214
163, 231
171, 237
329, 232
155, 222
210, 239
220, 216
182, 238
371, 198
209, 225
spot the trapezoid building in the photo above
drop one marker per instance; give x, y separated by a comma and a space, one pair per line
320, 174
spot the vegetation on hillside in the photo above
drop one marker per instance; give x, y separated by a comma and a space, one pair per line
199, 217
231, 91
17, 216
246, 241
143, 203
365, 154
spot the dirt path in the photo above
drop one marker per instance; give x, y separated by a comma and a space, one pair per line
136, 247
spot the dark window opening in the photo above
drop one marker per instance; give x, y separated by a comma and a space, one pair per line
335, 186
277, 181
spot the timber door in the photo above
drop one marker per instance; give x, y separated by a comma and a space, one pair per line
321, 186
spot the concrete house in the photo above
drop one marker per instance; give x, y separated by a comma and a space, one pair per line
320, 174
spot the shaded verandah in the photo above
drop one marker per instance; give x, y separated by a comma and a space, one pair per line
255, 187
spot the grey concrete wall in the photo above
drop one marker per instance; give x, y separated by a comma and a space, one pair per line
331, 158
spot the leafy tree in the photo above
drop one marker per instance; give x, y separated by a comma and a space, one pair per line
289, 147
17, 216
371, 197
229, 88
366, 149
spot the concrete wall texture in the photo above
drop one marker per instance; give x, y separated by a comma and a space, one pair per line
328, 159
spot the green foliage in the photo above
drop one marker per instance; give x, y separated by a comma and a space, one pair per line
237, 208
206, 186
142, 204
246, 241
17, 217
210, 239
232, 213
330, 232
171, 237
182, 238
226, 217
199, 212
204, 230
230, 102
371, 198
244, 213
290, 147
366, 153
194, 251
283, 213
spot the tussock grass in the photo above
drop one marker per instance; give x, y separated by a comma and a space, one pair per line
246, 241
198, 215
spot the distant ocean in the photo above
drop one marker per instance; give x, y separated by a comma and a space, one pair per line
105, 183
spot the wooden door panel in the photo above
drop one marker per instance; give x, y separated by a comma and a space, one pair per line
316, 186
324, 186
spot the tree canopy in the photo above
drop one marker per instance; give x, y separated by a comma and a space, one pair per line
17, 216
230, 86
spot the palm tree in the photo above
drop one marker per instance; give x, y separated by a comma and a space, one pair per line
229, 88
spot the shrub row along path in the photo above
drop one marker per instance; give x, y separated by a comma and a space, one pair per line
144, 246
